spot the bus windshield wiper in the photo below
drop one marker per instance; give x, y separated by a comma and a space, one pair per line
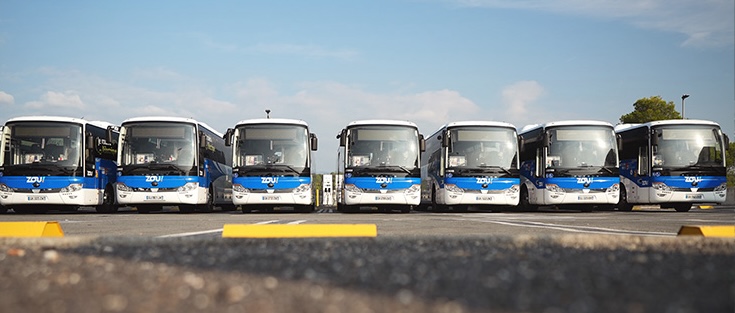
289, 167
604, 168
396, 167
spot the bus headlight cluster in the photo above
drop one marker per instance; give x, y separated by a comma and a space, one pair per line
721, 190
662, 190
72, 188
352, 190
513, 191
414, 191
240, 188
188, 187
555, 190
123, 187
5, 188
302, 188
614, 190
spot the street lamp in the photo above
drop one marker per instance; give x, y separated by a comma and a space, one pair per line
684, 96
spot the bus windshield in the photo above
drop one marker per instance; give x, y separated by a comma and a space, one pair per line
581, 146
686, 146
478, 147
159, 145
44, 148
272, 145
383, 146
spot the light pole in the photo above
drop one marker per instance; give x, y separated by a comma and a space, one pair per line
684, 96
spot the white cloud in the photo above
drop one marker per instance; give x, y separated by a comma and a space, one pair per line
704, 22
51, 99
518, 98
6, 98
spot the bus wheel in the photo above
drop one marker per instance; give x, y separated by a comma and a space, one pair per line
108, 202
682, 207
623, 204
525, 201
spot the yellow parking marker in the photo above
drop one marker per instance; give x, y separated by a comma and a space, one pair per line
30, 229
708, 231
706, 207
298, 230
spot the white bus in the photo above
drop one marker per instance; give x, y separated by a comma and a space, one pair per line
172, 161
673, 163
471, 163
272, 164
49, 162
569, 164
379, 165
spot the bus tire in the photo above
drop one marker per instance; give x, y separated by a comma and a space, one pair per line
623, 204
209, 206
525, 201
682, 207
108, 202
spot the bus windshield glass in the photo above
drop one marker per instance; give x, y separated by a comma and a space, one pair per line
685, 146
478, 147
159, 144
382, 146
54, 148
272, 145
581, 146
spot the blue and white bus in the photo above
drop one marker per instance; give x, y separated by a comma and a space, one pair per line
61, 163
172, 161
673, 163
379, 165
571, 164
471, 163
271, 164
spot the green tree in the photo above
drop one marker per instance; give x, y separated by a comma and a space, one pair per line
651, 109
730, 161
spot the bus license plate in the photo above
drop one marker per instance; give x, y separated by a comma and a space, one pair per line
586, 198
271, 198
36, 198
694, 196
483, 198
154, 198
383, 198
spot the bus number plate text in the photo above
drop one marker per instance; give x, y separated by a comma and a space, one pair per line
694, 196
271, 198
484, 198
36, 198
383, 198
154, 198
586, 197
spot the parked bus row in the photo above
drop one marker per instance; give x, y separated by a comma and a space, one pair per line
150, 162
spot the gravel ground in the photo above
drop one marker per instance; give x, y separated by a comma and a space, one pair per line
498, 274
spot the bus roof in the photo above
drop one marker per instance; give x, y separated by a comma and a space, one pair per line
479, 123
382, 122
45, 118
285, 121
171, 119
624, 127
531, 127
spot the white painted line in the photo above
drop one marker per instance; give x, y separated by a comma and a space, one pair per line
204, 232
575, 229
296, 222
267, 222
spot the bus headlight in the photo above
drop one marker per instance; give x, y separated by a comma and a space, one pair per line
352, 188
188, 187
5, 188
123, 187
661, 189
554, 188
721, 190
513, 191
450, 188
72, 188
240, 188
302, 188
614, 190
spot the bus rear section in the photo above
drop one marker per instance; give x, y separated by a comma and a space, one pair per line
569, 164
169, 161
470, 164
272, 164
379, 166
57, 163
672, 163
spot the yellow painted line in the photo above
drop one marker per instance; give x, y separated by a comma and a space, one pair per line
30, 229
298, 230
708, 231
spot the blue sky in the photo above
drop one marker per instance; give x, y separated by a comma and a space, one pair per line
331, 62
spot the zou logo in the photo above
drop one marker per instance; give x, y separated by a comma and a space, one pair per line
35, 179
151, 178
484, 180
692, 179
383, 180
269, 180
584, 180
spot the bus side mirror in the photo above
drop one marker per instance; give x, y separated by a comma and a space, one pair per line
202, 140
521, 143
422, 143
727, 141
313, 141
445, 139
547, 139
91, 144
620, 141
109, 134
654, 138
228, 137
342, 138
